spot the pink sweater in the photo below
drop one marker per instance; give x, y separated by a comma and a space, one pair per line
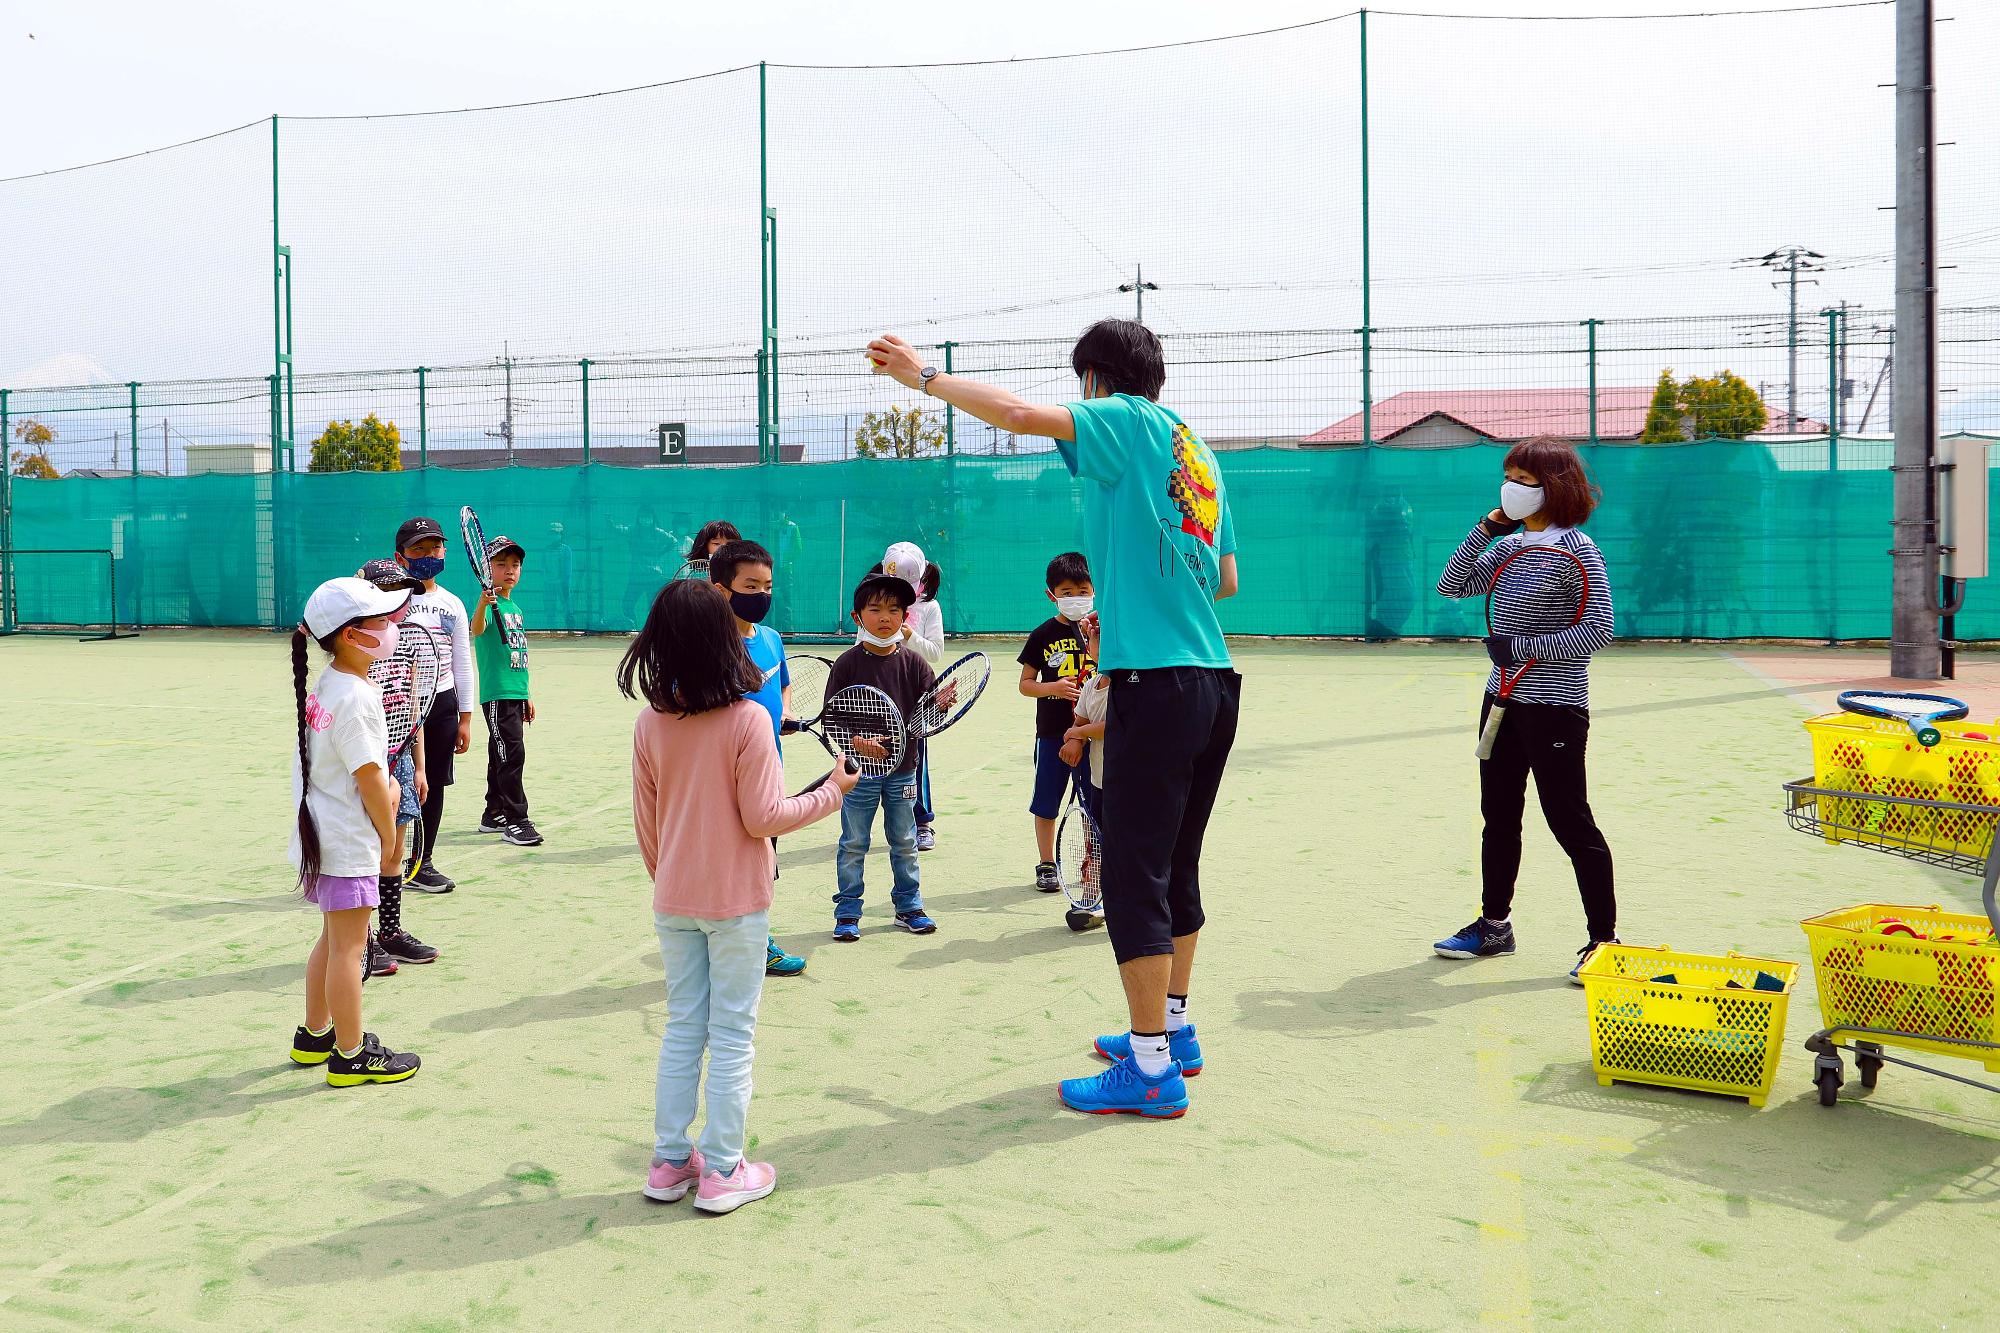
707, 798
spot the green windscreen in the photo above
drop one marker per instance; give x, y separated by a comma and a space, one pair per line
1712, 540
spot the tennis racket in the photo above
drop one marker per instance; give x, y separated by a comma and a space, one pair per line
1919, 711
1079, 858
408, 678
1539, 589
809, 675
692, 569
475, 547
861, 726
950, 696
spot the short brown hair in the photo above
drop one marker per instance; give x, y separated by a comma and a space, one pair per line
1568, 494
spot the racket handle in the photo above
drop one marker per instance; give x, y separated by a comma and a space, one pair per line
821, 780
789, 727
1490, 733
1927, 736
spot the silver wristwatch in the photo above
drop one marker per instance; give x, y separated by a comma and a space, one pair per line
925, 376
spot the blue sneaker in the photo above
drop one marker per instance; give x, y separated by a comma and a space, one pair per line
778, 963
1481, 939
1583, 956
1182, 1049
846, 932
916, 922
1123, 1090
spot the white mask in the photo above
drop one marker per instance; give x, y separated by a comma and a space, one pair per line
1518, 502
1075, 608
880, 642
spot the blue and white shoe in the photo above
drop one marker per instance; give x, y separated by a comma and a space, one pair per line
1481, 939
846, 932
1123, 1090
1182, 1049
778, 963
1583, 956
917, 923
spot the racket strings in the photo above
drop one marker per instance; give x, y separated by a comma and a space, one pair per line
865, 717
951, 697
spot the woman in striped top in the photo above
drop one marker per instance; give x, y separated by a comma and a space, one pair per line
1547, 494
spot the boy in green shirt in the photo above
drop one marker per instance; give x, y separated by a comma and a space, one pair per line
500, 642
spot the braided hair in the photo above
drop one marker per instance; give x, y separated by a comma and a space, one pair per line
309, 853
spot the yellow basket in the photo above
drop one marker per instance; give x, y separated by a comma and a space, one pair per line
1694, 1032
1932, 989
1878, 757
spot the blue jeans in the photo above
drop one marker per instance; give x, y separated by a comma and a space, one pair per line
897, 795
715, 976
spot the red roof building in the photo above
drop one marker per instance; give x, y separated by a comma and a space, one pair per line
1442, 418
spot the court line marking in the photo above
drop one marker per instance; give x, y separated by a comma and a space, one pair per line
126, 888
1507, 1298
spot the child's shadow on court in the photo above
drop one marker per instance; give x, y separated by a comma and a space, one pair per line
524, 1214
583, 1002
126, 1115
1401, 997
276, 978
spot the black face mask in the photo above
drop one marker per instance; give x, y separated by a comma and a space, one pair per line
750, 607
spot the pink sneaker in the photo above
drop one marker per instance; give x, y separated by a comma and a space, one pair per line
750, 1181
669, 1184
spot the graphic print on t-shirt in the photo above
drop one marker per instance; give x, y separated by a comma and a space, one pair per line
1191, 485
515, 638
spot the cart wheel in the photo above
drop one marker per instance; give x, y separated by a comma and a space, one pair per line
1871, 1066
1829, 1086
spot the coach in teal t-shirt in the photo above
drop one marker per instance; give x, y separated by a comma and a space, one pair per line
1162, 553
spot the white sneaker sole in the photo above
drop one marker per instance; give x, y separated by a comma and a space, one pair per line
729, 1203
674, 1194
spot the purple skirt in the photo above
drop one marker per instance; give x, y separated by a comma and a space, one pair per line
341, 893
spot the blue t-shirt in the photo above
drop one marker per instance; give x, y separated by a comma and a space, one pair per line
767, 654
1156, 520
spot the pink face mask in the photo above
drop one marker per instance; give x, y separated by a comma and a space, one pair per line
384, 644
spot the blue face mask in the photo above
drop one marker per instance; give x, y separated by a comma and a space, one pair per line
425, 567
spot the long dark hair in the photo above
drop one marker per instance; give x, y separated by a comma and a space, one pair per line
722, 527
933, 580
688, 657
308, 830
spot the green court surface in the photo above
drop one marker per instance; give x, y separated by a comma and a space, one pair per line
1381, 1139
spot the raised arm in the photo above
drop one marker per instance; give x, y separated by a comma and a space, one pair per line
761, 802
1469, 572
990, 403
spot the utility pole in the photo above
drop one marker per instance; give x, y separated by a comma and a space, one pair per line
1916, 649
1791, 260
506, 431
1139, 287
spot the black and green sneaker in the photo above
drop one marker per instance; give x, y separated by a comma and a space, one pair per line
373, 1063
308, 1049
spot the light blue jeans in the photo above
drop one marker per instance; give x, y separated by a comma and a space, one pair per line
897, 797
715, 976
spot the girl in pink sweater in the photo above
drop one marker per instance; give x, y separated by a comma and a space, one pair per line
707, 798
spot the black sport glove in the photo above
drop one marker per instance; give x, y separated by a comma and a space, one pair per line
1500, 647
1505, 529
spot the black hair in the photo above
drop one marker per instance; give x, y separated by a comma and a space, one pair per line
1069, 567
876, 586
933, 580
1125, 354
723, 565
722, 527
309, 850
688, 657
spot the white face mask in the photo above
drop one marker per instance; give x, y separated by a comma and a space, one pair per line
880, 642
1075, 608
1518, 502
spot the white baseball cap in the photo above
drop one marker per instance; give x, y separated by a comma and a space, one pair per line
906, 561
338, 601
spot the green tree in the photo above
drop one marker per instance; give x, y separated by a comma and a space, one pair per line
1723, 407
373, 446
899, 433
1663, 417
33, 461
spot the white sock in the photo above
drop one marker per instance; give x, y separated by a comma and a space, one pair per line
348, 1055
1501, 922
1149, 1050
1176, 1013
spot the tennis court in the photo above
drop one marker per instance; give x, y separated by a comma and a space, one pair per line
1381, 1139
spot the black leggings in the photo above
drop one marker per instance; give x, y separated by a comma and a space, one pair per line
1547, 740
440, 747
1166, 741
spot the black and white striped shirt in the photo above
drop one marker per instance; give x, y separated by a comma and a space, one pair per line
1536, 598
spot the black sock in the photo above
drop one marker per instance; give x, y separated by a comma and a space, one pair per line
390, 913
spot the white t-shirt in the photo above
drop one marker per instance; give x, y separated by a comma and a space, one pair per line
1091, 705
440, 612
345, 732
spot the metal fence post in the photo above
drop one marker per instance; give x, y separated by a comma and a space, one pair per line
423, 417
7, 617
1832, 473
132, 388
1591, 326
950, 416
583, 364
1367, 329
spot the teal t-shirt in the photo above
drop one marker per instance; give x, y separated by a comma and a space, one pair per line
1157, 524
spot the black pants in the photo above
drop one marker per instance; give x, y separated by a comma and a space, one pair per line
440, 745
1548, 741
506, 759
1166, 741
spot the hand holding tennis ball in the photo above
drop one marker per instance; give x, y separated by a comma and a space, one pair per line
895, 358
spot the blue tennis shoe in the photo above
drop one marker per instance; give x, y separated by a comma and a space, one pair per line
1123, 1090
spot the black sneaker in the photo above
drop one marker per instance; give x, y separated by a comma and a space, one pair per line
377, 962
310, 1050
522, 834
432, 880
1045, 877
373, 1063
1080, 920
405, 947
1481, 939
492, 824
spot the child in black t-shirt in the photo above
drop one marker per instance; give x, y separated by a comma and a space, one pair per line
1054, 665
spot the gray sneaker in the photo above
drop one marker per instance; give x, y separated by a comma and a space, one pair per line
1045, 877
926, 839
